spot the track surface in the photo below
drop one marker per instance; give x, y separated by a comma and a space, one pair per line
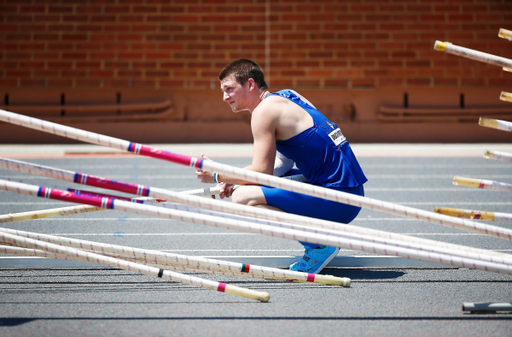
388, 302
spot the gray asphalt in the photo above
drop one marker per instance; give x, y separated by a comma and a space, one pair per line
381, 301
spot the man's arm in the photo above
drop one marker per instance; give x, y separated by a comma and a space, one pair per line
263, 126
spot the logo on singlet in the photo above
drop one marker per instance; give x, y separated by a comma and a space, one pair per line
337, 137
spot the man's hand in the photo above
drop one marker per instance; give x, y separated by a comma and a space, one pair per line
204, 176
226, 190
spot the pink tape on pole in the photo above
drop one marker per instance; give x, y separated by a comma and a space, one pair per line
221, 287
311, 277
103, 195
102, 202
120, 186
172, 157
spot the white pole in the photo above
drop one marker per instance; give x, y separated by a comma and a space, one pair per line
258, 178
194, 262
482, 183
291, 234
473, 54
505, 34
20, 251
136, 267
477, 215
498, 155
495, 124
268, 215
506, 96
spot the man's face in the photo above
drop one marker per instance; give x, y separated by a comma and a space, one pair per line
234, 93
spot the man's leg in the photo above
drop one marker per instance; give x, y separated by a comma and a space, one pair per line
251, 196
316, 256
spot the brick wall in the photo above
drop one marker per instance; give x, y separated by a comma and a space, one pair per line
183, 44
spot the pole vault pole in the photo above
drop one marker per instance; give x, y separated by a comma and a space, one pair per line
193, 262
78, 209
476, 215
242, 210
255, 177
290, 234
136, 267
506, 96
495, 124
395, 240
476, 55
482, 183
498, 155
252, 271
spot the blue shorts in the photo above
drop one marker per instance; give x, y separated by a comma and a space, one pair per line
301, 204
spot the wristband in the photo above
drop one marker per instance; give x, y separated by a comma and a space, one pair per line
216, 177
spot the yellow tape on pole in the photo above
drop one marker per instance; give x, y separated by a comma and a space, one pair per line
505, 34
470, 182
488, 122
506, 96
459, 213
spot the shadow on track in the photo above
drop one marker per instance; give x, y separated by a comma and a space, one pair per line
362, 274
8, 321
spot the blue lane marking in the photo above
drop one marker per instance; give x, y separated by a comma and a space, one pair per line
122, 218
118, 233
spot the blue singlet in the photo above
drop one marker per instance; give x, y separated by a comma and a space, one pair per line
325, 158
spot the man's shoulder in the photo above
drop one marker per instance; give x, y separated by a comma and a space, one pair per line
271, 104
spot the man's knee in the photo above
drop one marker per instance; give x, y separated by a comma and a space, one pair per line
237, 197
247, 196
240, 197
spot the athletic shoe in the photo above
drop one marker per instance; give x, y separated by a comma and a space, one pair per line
314, 260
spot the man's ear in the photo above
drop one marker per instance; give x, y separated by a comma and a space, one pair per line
251, 83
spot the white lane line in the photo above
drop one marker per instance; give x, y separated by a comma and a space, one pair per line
102, 219
370, 176
231, 234
418, 189
270, 250
501, 203
238, 250
365, 166
153, 234
161, 219
171, 166
435, 176
385, 189
420, 166
117, 177
437, 203
444, 234
29, 203
294, 251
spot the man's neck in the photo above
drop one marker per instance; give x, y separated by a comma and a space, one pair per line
264, 94
260, 99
